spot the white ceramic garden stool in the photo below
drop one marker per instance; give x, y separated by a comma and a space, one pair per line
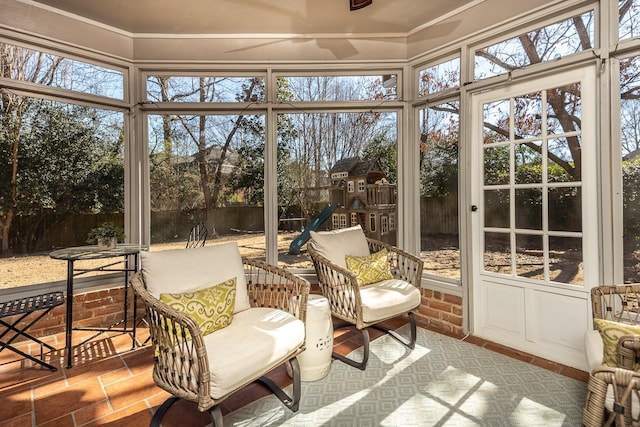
315, 361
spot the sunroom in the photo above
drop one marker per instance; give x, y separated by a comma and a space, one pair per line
497, 140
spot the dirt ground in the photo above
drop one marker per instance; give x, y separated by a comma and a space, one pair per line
27, 270
440, 254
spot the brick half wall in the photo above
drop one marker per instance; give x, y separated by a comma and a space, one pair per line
101, 309
440, 311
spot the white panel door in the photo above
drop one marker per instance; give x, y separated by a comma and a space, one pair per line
533, 214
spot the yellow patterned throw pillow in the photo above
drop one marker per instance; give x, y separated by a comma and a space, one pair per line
611, 333
212, 308
369, 269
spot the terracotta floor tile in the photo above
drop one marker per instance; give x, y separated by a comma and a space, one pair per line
134, 416
345, 348
112, 385
16, 404
575, 373
93, 412
47, 388
21, 421
68, 399
94, 368
157, 399
184, 413
481, 342
115, 376
139, 361
509, 352
20, 375
547, 364
129, 391
63, 421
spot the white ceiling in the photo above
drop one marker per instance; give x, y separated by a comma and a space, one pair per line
290, 17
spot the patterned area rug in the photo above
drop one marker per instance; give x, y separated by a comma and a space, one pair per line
442, 382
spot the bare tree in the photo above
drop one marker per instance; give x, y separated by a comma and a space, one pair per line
25, 65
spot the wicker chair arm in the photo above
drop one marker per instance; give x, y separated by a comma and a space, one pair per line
274, 287
404, 266
618, 303
181, 366
626, 383
628, 351
338, 285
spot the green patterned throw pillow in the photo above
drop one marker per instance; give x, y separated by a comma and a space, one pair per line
369, 269
212, 307
611, 333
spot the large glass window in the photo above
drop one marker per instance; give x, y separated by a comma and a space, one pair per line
533, 185
61, 164
550, 42
56, 71
439, 154
630, 145
62, 174
321, 158
207, 169
205, 89
629, 22
439, 77
337, 88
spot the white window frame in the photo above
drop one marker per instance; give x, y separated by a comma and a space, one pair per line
335, 221
384, 224
354, 219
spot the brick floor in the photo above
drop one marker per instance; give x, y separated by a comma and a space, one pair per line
111, 384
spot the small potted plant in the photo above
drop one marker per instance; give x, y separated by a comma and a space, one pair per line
106, 235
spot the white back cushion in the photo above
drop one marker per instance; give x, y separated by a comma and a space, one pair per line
336, 244
187, 270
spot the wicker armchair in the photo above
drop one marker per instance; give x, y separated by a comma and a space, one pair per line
367, 306
208, 369
613, 392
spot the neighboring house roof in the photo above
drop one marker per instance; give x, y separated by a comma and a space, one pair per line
354, 166
212, 156
632, 155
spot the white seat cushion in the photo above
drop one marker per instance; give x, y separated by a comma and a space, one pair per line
336, 244
388, 298
256, 338
188, 270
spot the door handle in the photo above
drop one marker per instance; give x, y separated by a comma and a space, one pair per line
474, 208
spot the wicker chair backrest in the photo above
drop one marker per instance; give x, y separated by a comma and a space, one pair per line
616, 303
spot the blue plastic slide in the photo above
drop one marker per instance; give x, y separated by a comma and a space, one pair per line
296, 244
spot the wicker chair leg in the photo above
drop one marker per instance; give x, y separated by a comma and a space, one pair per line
411, 343
292, 402
365, 338
216, 416
157, 417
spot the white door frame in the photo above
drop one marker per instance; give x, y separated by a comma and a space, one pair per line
547, 319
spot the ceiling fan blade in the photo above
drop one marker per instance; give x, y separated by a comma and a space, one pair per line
359, 4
